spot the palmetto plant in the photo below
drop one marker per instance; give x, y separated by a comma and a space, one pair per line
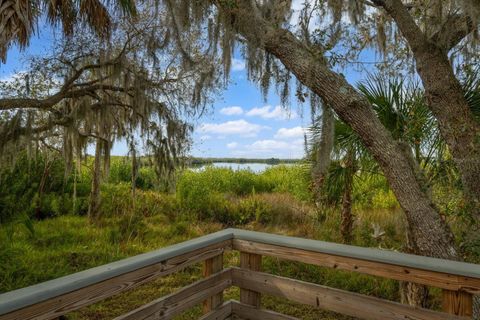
19, 18
402, 110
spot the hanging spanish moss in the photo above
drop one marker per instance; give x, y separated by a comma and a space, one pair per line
98, 93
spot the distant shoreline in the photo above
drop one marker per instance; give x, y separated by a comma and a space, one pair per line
196, 161
200, 161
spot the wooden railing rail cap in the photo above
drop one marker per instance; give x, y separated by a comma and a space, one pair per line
370, 254
27, 296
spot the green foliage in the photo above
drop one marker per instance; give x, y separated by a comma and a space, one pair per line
224, 180
209, 194
121, 171
117, 201
255, 207
292, 179
372, 192
21, 194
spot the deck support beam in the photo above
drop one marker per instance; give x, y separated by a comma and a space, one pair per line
250, 261
458, 303
210, 267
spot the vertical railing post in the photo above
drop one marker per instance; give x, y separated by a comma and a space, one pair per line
457, 302
212, 266
252, 262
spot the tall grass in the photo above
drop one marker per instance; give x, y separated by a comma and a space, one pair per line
277, 200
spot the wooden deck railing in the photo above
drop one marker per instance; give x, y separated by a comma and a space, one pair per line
51, 299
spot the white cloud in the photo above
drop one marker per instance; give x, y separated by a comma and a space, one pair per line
271, 148
269, 112
231, 111
290, 133
232, 145
272, 144
205, 137
238, 127
238, 65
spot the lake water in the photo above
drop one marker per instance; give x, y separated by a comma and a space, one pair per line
255, 167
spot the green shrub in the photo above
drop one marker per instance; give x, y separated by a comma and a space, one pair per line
254, 207
292, 179
384, 199
372, 192
20, 192
132, 226
194, 184
117, 200
120, 170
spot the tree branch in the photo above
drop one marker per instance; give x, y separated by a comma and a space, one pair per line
405, 22
457, 27
453, 31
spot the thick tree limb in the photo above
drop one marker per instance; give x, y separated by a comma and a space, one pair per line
405, 22
445, 95
431, 234
454, 30
51, 101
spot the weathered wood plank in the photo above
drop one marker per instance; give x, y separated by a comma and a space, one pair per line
88, 295
252, 262
187, 297
457, 302
221, 313
468, 270
336, 300
212, 266
385, 270
246, 311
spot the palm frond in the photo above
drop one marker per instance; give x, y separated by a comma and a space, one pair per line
471, 87
17, 20
96, 15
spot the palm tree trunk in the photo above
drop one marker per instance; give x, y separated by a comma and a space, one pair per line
94, 205
324, 150
346, 227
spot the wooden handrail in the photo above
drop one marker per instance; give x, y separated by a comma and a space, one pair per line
453, 268
173, 304
57, 297
340, 301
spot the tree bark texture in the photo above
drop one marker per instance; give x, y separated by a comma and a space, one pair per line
432, 235
444, 93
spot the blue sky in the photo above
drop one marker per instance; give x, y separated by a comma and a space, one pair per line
243, 124
240, 122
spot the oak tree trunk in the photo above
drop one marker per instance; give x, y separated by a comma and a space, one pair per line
444, 93
412, 293
445, 96
431, 234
